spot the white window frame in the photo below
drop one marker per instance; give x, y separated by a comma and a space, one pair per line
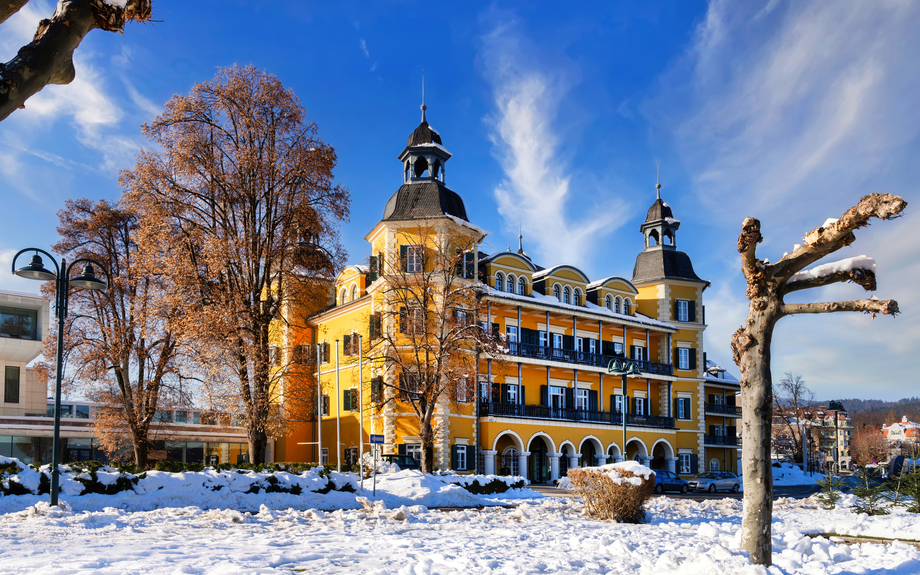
576, 296
557, 292
324, 455
461, 392
415, 450
683, 310
618, 403
520, 288
461, 458
626, 306
592, 346
618, 348
555, 391
579, 344
566, 295
640, 406
638, 353
510, 282
683, 358
608, 302
557, 341
499, 282
617, 305
414, 259
581, 399
713, 464
684, 462
683, 408
544, 339
511, 333
513, 394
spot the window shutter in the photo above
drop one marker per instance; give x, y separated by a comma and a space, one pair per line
401, 449
521, 394
346, 344
677, 412
568, 342
403, 321
354, 400
592, 400
730, 399
325, 352
607, 348
372, 275
544, 396
471, 457
731, 431
495, 330
613, 404
469, 260
692, 358
453, 457
711, 398
694, 464
632, 351
692, 306
376, 390
423, 257
676, 310
346, 400
458, 266
569, 398
371, 325
325, 405
496, 393
712, 430
403, 258
504, 393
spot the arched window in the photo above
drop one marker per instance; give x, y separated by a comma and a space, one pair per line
421, 167
713, 464
343, 296
510, 460
499, 282
510, 283
577, 300
566, 295
608, 302
556, 291
626, 307
354, 292
616, 305
520, 286
668, 239
653, 238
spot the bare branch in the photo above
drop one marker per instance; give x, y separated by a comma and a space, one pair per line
863, 277
873, 306
48, 59
824, 240
10, 7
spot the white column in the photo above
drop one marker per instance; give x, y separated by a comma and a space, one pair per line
645, 460
573, 460
672, 464
617, 458
553, 465
489, 461
522, 463
601, 460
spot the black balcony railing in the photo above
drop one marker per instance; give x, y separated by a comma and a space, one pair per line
519, 349
721, 440
569, 414
723, 409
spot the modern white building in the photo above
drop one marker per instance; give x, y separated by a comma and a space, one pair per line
24, 321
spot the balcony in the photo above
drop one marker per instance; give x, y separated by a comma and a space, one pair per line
722, 409
567, 414
519, 349
722, 440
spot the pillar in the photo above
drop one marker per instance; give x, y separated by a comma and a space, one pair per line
601, 460
672, 464
617, 458
522, 463
645, 460
573, 460
488, 461
553, 465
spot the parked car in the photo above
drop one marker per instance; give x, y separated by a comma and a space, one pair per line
669, 481
403, 461
716, 481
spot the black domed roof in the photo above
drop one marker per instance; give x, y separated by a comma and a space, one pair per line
664, 264
424, 134
422, 200
658, 211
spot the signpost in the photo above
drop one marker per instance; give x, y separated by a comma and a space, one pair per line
376, 441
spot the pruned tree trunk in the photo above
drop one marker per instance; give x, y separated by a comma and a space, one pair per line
767, 284
48, 59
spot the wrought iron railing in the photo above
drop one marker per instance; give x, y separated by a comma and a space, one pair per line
723, 409
721, 440
569, 414
519, 349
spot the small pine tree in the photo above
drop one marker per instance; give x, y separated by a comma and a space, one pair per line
895, 488
911, 486
830, 491
870, 492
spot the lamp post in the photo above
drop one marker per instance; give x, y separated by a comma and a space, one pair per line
624, 367
62, 281
836, 407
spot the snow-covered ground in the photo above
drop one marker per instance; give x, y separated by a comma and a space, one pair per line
394, 533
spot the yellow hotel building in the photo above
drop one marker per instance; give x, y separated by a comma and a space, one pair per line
548, 403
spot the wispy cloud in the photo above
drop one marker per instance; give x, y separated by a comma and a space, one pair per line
537, 191
790, 112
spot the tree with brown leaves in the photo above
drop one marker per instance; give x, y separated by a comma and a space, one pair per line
48, 58
868, 446
793, 408
767, 285
121, 343
240, 200
432, 339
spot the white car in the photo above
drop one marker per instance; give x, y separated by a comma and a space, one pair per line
716, 481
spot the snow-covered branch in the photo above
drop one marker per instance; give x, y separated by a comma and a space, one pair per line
859, 270
872, 306
835, 234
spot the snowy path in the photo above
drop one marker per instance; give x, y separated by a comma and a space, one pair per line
540, 536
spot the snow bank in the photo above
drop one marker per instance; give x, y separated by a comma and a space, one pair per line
789, 474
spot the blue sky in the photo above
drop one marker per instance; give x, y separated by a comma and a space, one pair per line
785, 111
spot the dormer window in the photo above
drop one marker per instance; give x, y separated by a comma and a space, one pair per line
520, 286
511, 282
566, 295
499, 282
616, 305
556, 291
577, 300
608, 303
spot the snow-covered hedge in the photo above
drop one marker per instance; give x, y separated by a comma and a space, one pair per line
485, 484
614, 492
17, 478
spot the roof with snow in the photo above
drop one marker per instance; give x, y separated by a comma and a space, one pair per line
658, 211
424, 134
714, 372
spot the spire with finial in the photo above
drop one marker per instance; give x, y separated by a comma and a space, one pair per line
424, 107
658, 180
521, 243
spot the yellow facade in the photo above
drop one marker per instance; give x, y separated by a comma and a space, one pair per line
548, 402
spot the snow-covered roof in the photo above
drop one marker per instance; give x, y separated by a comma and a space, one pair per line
467, 224
716, 373
588, 308
549, 271
599, 283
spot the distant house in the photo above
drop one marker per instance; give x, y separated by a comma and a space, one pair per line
903, 433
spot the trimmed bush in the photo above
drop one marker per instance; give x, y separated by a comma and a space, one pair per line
614, 492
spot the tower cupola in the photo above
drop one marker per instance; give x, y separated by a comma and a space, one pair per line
425, 155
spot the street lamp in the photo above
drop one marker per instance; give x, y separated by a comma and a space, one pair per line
836, 407
61, 276
626, 368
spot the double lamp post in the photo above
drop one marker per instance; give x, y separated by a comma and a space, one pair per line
36, 270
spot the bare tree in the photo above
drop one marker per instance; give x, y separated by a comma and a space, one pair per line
122, 345
240, 200
432, 305
48, 58
793, 410
868, 446
767, 285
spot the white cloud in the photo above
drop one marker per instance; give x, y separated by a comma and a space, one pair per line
364, 48
790, 113
537, 191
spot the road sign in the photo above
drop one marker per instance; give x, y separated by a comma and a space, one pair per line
376, 439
